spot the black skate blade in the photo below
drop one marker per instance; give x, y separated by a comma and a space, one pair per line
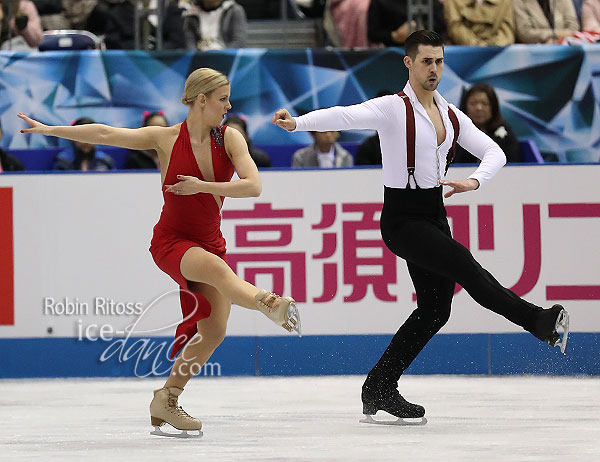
401, 422
184, 433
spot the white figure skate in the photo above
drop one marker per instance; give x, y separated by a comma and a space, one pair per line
282, 311
164, 409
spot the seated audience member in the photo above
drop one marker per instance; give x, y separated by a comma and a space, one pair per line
23, 26
83, 156
590, 16
214, 25
9, 163
345, 22
369, 151
577, 5
324, 153
544, 21
388, 22
120, 26
480, 23
480, 103
260, 157
90, 15
146, 159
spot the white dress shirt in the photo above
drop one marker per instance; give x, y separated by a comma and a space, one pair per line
387, 115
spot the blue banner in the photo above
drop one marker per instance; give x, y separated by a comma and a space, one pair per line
548, 93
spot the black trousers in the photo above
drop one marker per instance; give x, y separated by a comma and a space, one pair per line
414, 227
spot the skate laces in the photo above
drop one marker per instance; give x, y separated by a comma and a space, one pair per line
269, 300
174, 407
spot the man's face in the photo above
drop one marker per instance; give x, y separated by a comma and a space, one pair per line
427, 66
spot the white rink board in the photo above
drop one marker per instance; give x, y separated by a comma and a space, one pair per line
86, 236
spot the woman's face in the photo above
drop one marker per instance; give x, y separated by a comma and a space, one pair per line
479, 108
216, 105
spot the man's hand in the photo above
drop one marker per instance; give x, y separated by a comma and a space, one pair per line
460, 186
283, 119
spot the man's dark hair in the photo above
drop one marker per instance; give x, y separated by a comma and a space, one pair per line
421, 37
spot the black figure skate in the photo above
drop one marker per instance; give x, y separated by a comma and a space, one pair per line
393, 403
548, 323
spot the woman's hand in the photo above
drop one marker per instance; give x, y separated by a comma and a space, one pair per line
460, 186
36, 127
187, 186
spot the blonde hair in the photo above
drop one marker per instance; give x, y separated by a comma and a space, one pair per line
203, 80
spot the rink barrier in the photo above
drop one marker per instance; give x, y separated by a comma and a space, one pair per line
477, 354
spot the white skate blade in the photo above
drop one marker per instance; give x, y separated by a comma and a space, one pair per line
293, 323
562, 321
402, 422
184, 433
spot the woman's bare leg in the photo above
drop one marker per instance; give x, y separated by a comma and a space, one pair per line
201, 266
198, 265
211, 332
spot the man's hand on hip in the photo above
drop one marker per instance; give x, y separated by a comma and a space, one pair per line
460, 186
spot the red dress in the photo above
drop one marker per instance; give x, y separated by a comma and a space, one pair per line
190, 221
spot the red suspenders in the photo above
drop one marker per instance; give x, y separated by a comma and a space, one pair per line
456, 128
410, 138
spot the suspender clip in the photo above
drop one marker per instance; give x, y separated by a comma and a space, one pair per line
411, 173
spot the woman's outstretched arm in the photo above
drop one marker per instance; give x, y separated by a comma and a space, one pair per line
131, 138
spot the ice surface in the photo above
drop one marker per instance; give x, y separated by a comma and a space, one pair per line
304, 418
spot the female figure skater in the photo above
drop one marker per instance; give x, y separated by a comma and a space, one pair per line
197, 160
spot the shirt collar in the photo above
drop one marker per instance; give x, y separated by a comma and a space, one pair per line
439, 99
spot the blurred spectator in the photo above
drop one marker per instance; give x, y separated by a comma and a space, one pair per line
544, 21
388, 22
83, 156
480, 23
8, 163
480, 103
146, 159
311, 8
260, 157
369, 151
120, 26
22, 31
577, 5
345, 22
590, 16
324, 153
90, 15
214, 25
